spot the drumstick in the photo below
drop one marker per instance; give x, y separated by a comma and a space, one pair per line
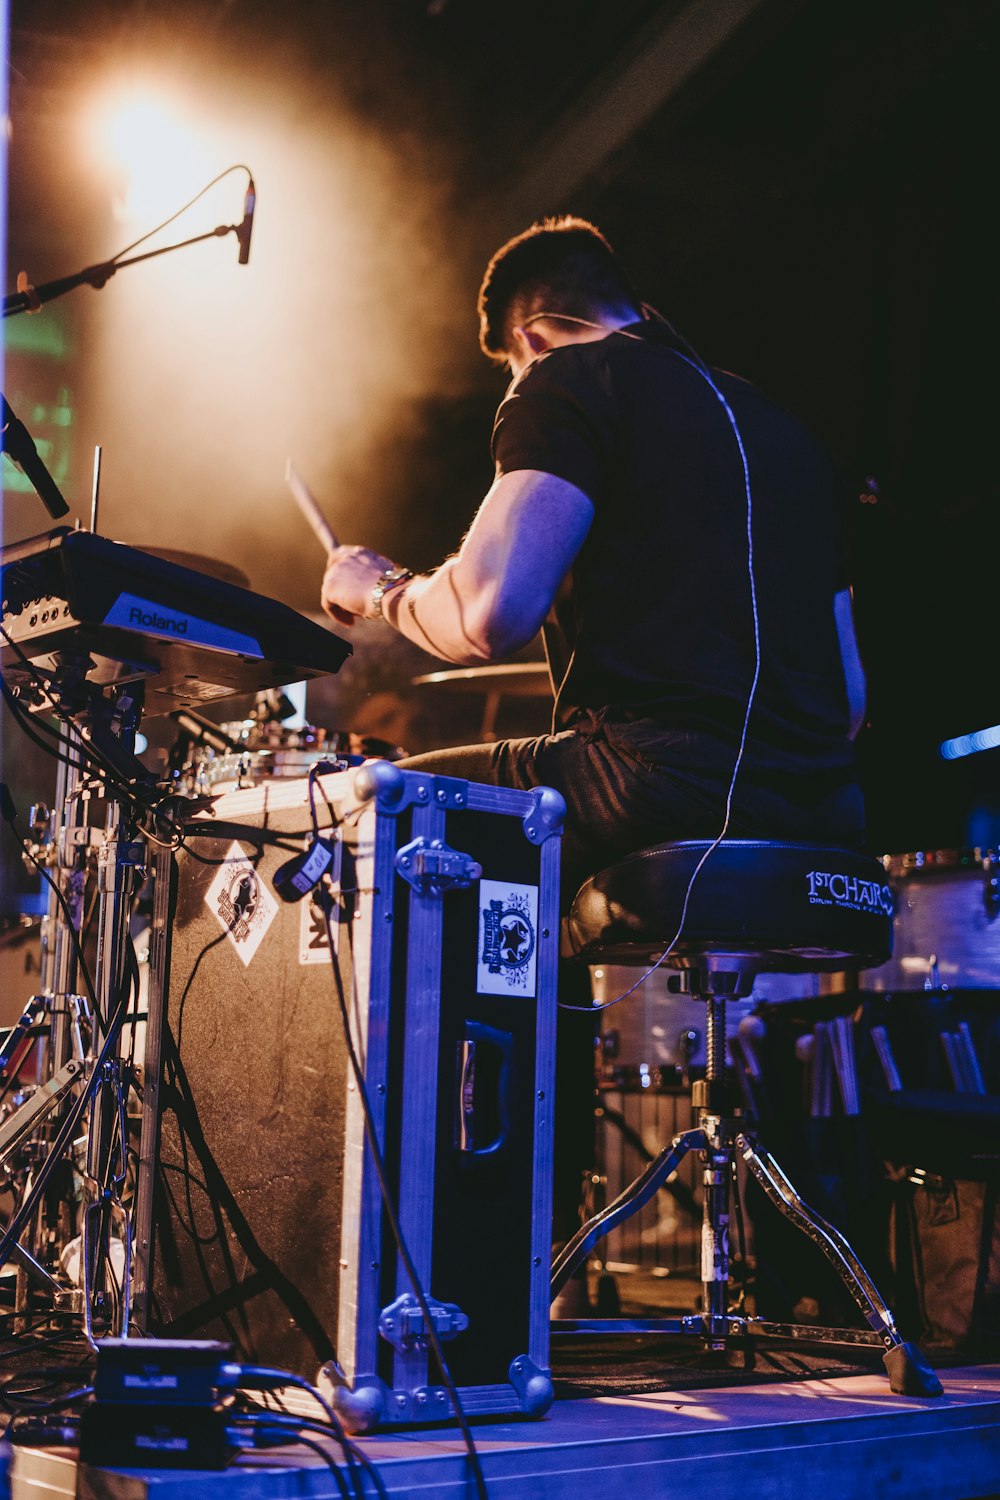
307, 505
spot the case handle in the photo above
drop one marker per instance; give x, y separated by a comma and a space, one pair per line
476, 1037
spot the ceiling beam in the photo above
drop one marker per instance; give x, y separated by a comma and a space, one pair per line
620, 101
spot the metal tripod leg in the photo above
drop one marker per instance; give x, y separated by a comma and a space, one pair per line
27, 1263
909, 1374
634, 1197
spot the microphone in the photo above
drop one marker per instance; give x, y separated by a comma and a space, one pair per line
18, 444
245, 229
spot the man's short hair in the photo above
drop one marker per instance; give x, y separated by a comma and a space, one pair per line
562, 265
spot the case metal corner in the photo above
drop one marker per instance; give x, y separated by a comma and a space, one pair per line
546, 816
533, 1386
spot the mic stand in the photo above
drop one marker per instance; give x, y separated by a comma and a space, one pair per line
33, 298
17, 440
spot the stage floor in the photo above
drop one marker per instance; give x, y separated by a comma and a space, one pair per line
846, 1437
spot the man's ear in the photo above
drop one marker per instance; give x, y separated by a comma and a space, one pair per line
530, 342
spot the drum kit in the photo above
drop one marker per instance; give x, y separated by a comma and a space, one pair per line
94, 634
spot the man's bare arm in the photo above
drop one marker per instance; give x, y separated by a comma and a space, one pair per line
493, 595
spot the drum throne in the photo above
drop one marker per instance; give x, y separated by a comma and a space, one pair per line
754, 908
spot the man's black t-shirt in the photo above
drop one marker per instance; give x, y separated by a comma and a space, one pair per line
656, 618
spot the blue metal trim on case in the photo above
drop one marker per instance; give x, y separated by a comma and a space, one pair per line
415, 1200
545, 1067
451, 791
546, 815
499, 799
395, 789
374, 1061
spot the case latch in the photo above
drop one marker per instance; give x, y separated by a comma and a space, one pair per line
432, 868
403, 1325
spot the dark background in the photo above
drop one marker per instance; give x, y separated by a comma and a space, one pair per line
803, 188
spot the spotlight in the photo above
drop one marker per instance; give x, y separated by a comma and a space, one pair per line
161, 159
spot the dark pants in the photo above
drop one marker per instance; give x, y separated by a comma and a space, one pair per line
629, 785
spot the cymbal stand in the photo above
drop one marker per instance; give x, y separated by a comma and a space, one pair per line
119, 866
111, 724
56, 1011
70, 841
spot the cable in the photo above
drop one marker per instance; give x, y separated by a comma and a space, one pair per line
283, 1377
697, 364
290, 1427
236, 167
262, 1426
313, 815
31, 728
261, 1377
128, 791
371, 1134
328, 1459
94, 762
64, 1135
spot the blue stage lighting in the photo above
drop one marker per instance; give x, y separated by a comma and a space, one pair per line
969, 744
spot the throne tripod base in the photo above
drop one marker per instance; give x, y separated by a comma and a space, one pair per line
720, 1139
758, 888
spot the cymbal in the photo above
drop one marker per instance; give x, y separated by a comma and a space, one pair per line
223, 571
517, 679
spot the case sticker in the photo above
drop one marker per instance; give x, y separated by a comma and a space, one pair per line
241, 903
508, 927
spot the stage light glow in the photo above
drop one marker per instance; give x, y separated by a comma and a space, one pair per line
163, 160
970, 744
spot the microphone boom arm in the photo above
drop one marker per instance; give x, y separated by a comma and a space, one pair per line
33, 298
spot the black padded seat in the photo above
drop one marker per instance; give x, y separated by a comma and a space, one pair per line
777, 907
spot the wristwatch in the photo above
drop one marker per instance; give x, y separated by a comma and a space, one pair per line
386, 581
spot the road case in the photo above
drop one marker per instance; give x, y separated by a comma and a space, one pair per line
259, 1212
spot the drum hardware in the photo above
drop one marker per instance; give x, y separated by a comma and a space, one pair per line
196, 562
946, 932
89, 628
54, 1019
21, 1124
886, 1057
208, 758
845, 1069
962, 1060
527, 679
648, 1051
99, 1080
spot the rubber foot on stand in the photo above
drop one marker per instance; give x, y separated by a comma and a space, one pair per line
909, 1372
609, 1303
